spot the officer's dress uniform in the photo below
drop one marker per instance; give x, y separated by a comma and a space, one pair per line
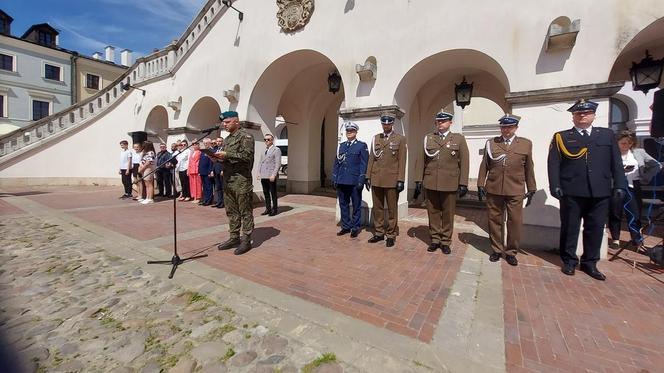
348, 174
585, 167
442, 167
238, 185
506, 173
387, 166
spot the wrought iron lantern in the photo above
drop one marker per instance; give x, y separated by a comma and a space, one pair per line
334, 82
646, 74
463, 93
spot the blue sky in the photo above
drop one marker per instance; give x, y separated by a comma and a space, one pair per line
88, 26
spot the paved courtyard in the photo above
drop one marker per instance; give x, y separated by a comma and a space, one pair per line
77, 295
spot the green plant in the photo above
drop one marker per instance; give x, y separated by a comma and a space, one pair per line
327, 357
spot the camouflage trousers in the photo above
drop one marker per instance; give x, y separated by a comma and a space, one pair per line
239, 210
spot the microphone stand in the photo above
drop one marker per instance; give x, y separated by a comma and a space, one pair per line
176, 260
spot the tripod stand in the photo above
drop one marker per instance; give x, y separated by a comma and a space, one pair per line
176, 260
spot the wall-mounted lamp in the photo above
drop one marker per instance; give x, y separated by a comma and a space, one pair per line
463, 93
646, 74
127, 86
229, 4
334, 82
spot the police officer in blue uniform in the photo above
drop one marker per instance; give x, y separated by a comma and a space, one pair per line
585, 170
349, 177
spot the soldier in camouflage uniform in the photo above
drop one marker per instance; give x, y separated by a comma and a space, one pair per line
238, 160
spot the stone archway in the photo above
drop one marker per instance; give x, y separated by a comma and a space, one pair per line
428, 87
295, 88
204, 114
650, 38
156, 124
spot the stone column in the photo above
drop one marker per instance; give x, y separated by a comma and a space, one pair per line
544, 112
368, 119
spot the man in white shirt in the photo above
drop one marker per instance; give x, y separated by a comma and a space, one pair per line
125, 168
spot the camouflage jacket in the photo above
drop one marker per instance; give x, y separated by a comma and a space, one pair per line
239, 161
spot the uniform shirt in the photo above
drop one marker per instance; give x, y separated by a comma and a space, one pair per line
629, 160
509, 169
387, 160
238, 162
125, 155
443, 163
580, 130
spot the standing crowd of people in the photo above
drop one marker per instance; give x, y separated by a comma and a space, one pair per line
184, 172
594, 175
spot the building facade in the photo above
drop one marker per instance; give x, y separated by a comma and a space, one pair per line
38, 78
274, 66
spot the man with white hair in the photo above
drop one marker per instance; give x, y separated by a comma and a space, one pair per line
348, 178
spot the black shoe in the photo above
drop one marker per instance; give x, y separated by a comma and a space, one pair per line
266, 212
375, 239
568, 269
273, 213
446, 249
433, 247
168, 195
354, 234
494, 257
158, 195
245, 246
343, 231
389, 242
213, 205
511, 260
229, 244
205, 204
593, 272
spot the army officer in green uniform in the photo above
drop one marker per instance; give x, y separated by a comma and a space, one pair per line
238, 160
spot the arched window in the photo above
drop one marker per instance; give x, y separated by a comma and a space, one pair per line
618, 115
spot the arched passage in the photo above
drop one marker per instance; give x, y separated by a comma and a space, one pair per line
204, 113
637, 105
156, 124
294, 87
428, 87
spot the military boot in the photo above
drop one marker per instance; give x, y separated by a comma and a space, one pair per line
245, 246
229, 244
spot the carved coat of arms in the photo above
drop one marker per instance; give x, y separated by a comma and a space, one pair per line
294, 14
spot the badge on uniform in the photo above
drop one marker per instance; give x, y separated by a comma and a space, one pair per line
453, 153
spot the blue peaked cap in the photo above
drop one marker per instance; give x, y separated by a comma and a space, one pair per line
509, 120
387, 119
444, 116
583, 105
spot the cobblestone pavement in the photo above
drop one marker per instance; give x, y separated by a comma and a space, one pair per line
69, 305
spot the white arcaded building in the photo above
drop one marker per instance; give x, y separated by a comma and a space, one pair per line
530, 58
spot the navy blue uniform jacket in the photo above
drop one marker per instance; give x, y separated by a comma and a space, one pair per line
204, 165
352, 168
594, 175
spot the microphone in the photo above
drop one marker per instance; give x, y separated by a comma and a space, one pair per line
211, 129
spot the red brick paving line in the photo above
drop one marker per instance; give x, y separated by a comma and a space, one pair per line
403, 290
559, 323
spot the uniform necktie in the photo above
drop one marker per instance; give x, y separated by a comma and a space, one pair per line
585, 133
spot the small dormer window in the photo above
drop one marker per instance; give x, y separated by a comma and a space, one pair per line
45, 38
